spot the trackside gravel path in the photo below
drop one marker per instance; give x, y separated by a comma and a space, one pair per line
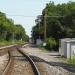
49, 63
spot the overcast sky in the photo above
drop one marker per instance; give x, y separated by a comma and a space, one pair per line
24, 12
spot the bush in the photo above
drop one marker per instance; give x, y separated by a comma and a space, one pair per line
51, 44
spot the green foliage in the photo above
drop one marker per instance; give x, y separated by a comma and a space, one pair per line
72, 60
50, 44
10, 42
60, 22
19, 32
10, 31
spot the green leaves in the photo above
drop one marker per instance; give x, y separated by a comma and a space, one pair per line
51, 43
60, 21
19, 32
10, 31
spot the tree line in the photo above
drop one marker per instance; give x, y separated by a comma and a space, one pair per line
60, 23
10, 31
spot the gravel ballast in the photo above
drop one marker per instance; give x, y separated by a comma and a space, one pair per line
3, 62
20, 65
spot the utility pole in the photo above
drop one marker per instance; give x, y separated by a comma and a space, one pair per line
45, 25
44, 44
39, 25
39, 29
13, 37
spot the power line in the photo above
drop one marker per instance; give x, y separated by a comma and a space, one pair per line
20, 15
30, 16
54, 16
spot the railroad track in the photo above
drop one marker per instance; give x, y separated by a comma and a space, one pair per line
20, 64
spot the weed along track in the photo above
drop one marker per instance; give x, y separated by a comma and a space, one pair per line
20, 64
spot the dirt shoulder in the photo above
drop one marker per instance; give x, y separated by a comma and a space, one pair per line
51, 59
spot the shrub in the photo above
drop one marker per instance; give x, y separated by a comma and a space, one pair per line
51, 44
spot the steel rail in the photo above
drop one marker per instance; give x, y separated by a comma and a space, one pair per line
35, 69
8, 65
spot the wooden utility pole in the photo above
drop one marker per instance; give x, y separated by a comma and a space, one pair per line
45, 26
39, 29
39, 24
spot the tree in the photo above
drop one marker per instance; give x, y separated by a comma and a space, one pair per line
19, 32
10, 31
60, 21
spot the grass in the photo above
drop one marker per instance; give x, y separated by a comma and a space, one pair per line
71, 60
11, 42
68, 61
65, 60
42, 48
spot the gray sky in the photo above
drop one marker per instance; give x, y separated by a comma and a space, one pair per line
24, 12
